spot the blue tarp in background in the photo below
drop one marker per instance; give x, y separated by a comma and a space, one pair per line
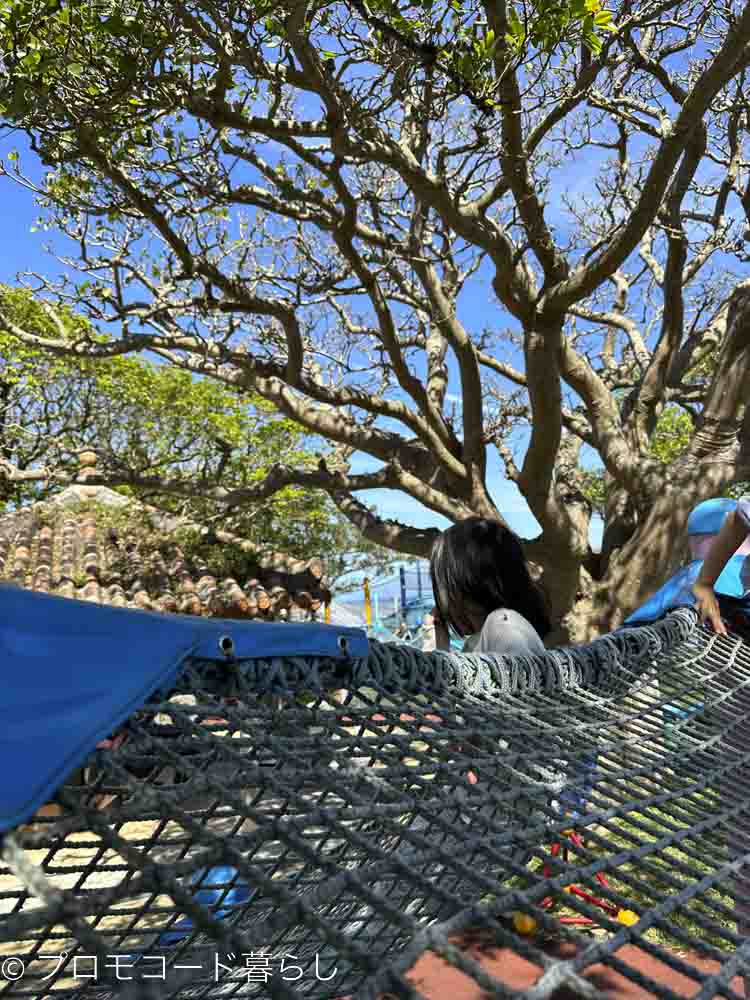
677, 592
72, 672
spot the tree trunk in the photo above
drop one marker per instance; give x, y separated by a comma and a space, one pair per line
654, 552
620, 520
567, 587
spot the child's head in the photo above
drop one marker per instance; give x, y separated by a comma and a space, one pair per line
705, 522
478, 566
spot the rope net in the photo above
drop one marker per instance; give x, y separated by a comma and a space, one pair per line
248, 835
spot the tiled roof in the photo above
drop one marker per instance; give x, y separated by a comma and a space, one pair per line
69, 546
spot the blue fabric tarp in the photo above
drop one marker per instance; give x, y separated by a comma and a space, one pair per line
677, 591
73, 671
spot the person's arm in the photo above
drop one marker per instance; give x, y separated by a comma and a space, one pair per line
442, 636
733, 533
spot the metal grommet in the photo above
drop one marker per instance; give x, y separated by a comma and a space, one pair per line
226, 645
343, 644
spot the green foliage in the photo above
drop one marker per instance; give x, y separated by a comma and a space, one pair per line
672, 434
553, 24
155, 420
671, 437
738, 490
153, 416
100, 38
119, 58
594, 489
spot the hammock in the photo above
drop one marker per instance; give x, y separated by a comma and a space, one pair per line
243, 834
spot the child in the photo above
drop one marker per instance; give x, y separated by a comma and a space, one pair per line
734, 531
484, 592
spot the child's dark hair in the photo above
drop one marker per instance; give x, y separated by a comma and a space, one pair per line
481, 561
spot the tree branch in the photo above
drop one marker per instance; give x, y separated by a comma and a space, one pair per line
391, 534
444, 316
514, 158
733, 56
729, 394
626, 467
652, 388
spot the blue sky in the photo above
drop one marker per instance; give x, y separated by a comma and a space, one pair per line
23, 250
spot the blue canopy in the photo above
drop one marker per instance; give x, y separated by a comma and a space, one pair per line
72, 672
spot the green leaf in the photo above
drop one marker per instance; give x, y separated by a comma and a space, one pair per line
517, 29
31, 60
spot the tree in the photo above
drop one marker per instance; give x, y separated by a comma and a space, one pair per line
299, 206
353, 557
157, 421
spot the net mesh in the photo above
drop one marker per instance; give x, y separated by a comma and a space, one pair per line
246, 835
